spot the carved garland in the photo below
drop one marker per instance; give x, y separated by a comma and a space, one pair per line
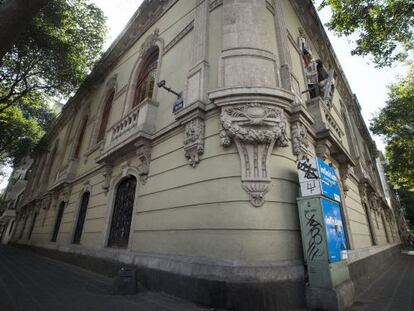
255, 128
144, 154
194, 141
299, 141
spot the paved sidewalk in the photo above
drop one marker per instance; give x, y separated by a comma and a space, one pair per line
31, 282
393, 290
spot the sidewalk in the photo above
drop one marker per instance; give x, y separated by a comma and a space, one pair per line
30, 282
393, 290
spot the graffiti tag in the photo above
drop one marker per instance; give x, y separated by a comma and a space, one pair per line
315, 233
310, 172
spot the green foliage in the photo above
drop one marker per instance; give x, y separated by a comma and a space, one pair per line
384, 27
395, 123
55, 54
407, 203
18, 134
48, 62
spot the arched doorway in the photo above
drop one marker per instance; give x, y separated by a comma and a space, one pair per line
81, 218
58, 221
122, 213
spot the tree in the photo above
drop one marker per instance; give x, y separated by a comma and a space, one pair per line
55, 54
406, 200
15, 18
385, 27
47, 62
395, 123
386, 31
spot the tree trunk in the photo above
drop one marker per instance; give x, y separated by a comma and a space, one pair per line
15, 18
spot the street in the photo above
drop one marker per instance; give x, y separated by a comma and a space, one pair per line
32, 282
393, 290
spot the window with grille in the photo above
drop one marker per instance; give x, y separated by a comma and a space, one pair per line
80, 139
122, 213
58, 221
81, 218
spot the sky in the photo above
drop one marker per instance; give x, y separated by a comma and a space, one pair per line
367, 82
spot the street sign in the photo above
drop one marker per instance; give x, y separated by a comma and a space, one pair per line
178, 105
318, 178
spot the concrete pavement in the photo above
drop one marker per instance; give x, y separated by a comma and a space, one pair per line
393, 290
31, 282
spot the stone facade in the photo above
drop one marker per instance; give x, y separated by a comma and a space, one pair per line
215, 198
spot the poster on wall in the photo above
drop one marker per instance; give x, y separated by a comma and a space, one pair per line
335, 234
318, 178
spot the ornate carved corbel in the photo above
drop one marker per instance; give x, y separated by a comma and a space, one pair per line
107, 173
345, 171
323, 150
144, 154
256, 129
66, 193
194, 141
299, 140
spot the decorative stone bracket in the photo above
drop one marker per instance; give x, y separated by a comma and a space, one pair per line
345, 171
255, 128
300, 143
144, 154
194, 140
107, 173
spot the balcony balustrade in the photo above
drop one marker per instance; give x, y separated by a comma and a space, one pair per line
138, 123
324, 120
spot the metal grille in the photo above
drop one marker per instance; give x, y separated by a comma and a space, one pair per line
81, 218
58, 221
122, 214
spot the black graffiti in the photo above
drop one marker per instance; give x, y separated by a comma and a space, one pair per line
310, 172
315, 232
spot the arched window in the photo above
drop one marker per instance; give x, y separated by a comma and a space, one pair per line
58, 221
146, 78
23, 228
80, 139
105, 116
369, 223
32, 226
122, 213
81, 218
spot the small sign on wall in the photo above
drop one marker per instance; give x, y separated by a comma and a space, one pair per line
178, 105
318, 178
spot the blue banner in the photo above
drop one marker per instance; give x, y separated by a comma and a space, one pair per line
335, 234
329, 181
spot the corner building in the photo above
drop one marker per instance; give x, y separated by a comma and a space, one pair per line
203, 200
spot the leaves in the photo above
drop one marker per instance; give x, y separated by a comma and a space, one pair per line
47, 62
384, 27
395, 123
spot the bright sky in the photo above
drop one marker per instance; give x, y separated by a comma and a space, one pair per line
367, 82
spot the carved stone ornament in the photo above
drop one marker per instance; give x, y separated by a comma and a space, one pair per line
255, 128
345, 171
194, 141
299, 141
144, 154
107, 173
150, 42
